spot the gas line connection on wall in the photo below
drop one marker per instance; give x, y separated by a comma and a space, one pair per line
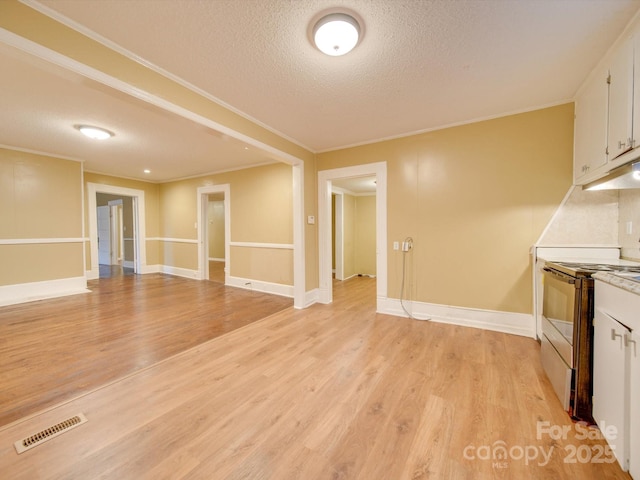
407, 246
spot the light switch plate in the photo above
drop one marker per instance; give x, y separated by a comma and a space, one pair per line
311, 220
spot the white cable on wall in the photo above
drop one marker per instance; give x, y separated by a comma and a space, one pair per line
407, 245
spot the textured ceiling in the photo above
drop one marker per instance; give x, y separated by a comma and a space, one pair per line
41, 103
422, 64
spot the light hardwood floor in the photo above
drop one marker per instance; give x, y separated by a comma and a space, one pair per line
216, 271
55, 350
334, 391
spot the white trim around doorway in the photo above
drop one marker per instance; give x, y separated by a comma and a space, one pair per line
203, 250
325, 179
139, 226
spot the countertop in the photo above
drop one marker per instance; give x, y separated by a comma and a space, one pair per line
623, 281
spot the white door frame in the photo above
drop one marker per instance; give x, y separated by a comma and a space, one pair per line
339, 242
325, 178
203, 230
104, 238
116, 233
139, 226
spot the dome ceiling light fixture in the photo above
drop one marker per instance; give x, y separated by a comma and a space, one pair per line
336, 34
95, 133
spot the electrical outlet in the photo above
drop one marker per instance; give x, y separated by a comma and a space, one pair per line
396, 245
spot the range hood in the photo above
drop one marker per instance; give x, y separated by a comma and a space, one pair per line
625, 176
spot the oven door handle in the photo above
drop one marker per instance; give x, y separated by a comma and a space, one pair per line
560, 276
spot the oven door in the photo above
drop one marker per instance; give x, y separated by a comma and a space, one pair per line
556, 350
559, 311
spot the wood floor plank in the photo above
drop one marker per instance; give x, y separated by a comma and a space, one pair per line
54, 350
332, 391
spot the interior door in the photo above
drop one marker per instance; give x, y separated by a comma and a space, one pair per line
104, 235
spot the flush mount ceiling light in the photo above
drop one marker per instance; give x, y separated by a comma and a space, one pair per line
336, 34
95, 133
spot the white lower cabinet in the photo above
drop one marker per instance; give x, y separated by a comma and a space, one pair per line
609, 382
616, 372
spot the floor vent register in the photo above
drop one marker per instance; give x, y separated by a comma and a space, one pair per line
49, 433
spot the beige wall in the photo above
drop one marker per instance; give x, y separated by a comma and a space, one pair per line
215, 212
261, 202
359, 234
40, 200
365, 235
474, 198
264, 264
349, 235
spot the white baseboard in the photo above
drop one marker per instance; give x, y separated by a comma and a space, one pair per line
128, 264
258, 286
213, 259
180, 272
324, 294
29, 292
311, 297
152, 268
506, 322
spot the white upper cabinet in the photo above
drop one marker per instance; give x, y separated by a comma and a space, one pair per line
620, 137
607, 113
590, 136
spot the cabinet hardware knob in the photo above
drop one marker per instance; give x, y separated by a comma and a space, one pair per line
621, 144
614, 334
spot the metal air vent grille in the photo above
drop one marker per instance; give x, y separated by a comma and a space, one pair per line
49, 433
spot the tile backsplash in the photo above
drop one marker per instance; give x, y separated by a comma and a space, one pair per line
603, 217
629, 218
586, 218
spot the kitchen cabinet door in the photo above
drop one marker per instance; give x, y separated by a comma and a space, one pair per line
636, 89
620, 137
590, 128
609, 381
633, 345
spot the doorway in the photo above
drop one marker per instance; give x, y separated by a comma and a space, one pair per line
354, 227
214, 206
326, 180
124, 219
115, 235
215, 242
